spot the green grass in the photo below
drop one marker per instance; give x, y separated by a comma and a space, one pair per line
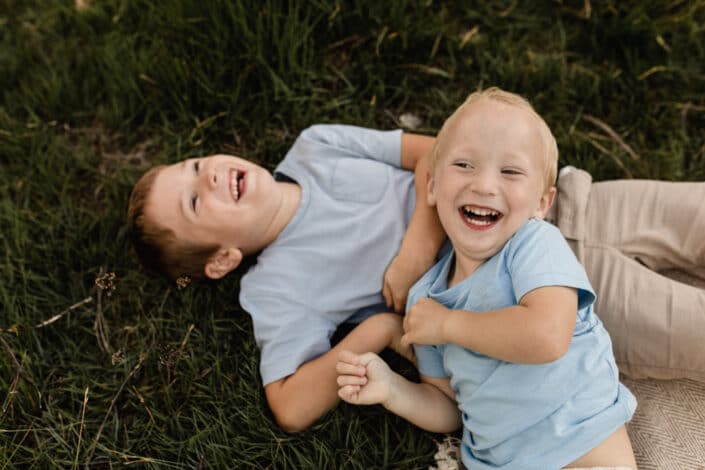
148, 375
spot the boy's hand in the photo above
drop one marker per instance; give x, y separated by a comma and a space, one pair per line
364, 379
401, 274
423, 323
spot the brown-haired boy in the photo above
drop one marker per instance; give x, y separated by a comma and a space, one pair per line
328, 226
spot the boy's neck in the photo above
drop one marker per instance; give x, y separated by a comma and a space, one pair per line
290, 194
462, 268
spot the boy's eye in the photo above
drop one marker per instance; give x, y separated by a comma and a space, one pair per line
194, 200
511, 171
462, 165
196, 166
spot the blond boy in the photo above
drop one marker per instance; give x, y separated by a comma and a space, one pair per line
505, 337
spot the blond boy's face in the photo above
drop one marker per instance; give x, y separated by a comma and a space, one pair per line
489, 179
218, 200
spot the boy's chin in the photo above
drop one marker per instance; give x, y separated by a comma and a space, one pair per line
478, 251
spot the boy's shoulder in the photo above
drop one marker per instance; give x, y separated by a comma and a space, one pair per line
333, 134
535, 244
535, 232
534, 224
321, 148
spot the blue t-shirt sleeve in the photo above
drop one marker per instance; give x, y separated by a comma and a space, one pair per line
360, 142
429, 361
287, 334
539, 256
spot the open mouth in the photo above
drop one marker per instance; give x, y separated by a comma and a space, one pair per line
479, 217
237, 184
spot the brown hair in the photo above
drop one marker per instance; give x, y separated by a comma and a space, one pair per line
550, 148
158, 248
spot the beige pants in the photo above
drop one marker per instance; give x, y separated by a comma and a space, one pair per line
634, 237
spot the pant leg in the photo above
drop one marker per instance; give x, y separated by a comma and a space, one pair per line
623, 232
657, 325
660, 224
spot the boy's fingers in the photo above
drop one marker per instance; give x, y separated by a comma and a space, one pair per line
349, 393
405, 340
366, 358
387, 294
344, 368
349, 357
345, 380
401, 303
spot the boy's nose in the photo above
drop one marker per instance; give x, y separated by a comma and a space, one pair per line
210, 178
484, 184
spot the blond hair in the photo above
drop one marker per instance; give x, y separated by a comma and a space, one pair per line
158, 248
549, 152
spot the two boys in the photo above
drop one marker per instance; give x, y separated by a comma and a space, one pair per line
319, 184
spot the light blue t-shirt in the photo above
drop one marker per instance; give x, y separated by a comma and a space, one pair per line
328, 264
527, 416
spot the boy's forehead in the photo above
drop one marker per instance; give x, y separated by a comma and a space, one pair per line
505, 124
486, 107
485, 114
166, 178
164, 202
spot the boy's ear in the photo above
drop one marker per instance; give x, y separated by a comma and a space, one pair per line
430, 190
221, 263
546, 202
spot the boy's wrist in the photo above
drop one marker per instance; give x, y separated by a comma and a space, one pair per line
392, 393
449, 325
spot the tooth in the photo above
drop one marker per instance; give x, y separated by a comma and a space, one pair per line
480, 211
233, 185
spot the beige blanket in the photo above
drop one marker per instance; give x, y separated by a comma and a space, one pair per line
668, 428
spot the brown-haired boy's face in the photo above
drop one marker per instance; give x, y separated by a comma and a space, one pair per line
218, 200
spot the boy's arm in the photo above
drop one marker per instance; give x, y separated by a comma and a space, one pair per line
300, 399
538, 330
365, 379
424, 235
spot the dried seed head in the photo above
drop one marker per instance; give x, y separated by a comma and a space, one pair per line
183, 281
106, 282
